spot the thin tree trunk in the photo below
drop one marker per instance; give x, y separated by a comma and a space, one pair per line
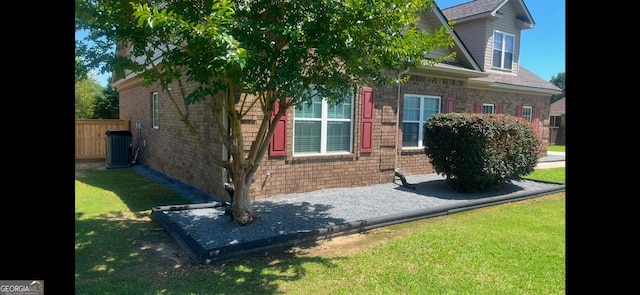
243, 213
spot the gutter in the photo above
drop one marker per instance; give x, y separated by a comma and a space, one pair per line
395, 164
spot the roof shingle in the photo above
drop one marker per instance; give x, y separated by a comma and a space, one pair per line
558, 106
524, 78
471, 8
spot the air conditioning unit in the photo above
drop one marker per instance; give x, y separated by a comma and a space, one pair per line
118, 148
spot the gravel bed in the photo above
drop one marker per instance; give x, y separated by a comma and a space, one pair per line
295, 213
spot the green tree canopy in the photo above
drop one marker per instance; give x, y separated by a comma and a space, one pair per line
87, 92
265, 50
558, 81
107, 105
81, 71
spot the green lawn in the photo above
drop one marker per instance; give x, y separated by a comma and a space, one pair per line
503, 249
556, 148
553, 175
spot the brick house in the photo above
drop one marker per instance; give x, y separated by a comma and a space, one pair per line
381, 126
557, 122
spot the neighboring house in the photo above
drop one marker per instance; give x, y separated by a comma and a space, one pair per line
383, 126
557, 122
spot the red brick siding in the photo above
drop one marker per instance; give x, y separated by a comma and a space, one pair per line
414, 160
510, 100
281, 175
172, 150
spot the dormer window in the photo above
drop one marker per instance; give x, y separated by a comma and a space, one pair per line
503, 49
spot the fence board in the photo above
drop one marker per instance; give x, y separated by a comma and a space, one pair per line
90, 139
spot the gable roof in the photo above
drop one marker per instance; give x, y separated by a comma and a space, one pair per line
558, 107
464, 64
523, 80
459, 46
487, 8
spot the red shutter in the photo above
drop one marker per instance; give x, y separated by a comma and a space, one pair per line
366, 140
451, 104
500, 109
278, 146
478, 108
519, 111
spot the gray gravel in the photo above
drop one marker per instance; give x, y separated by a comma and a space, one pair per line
197, 196
187, 191
294, 213
205, 228
552, 157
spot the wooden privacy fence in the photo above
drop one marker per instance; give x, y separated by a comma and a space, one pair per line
91, 136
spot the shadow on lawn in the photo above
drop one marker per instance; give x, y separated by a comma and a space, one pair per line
118, 254
128, 253
137, 192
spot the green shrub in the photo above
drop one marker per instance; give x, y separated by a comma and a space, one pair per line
478, 152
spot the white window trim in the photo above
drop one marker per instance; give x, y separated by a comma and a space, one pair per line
503, 51
493, 108
421, 120
528, 117
155, 110
323, 130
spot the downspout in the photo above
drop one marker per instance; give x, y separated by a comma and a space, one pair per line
395, 165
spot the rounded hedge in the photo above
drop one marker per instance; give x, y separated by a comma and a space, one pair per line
478, 152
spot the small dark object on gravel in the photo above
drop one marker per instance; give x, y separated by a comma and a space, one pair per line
228, 206
404, 180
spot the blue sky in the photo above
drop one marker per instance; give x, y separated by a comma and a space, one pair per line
103, 79
542, 49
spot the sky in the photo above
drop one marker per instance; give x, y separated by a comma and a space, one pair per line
542, 49
103, 79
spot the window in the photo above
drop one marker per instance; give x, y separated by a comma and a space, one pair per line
321, 129
526, 113
555, 121
488, 108
417, 109
154, 110
503, 48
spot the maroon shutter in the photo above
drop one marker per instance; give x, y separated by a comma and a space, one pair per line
451, 104
478, 108
278, 146
366, 140
500, 109
519, 111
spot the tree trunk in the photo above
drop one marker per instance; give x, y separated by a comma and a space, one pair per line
243, 213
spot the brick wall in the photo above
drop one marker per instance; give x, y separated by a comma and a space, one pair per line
510, 101
287, 174
414, 160
172, 150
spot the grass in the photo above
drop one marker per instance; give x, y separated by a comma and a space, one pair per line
553, 175
556, 148
503, 249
